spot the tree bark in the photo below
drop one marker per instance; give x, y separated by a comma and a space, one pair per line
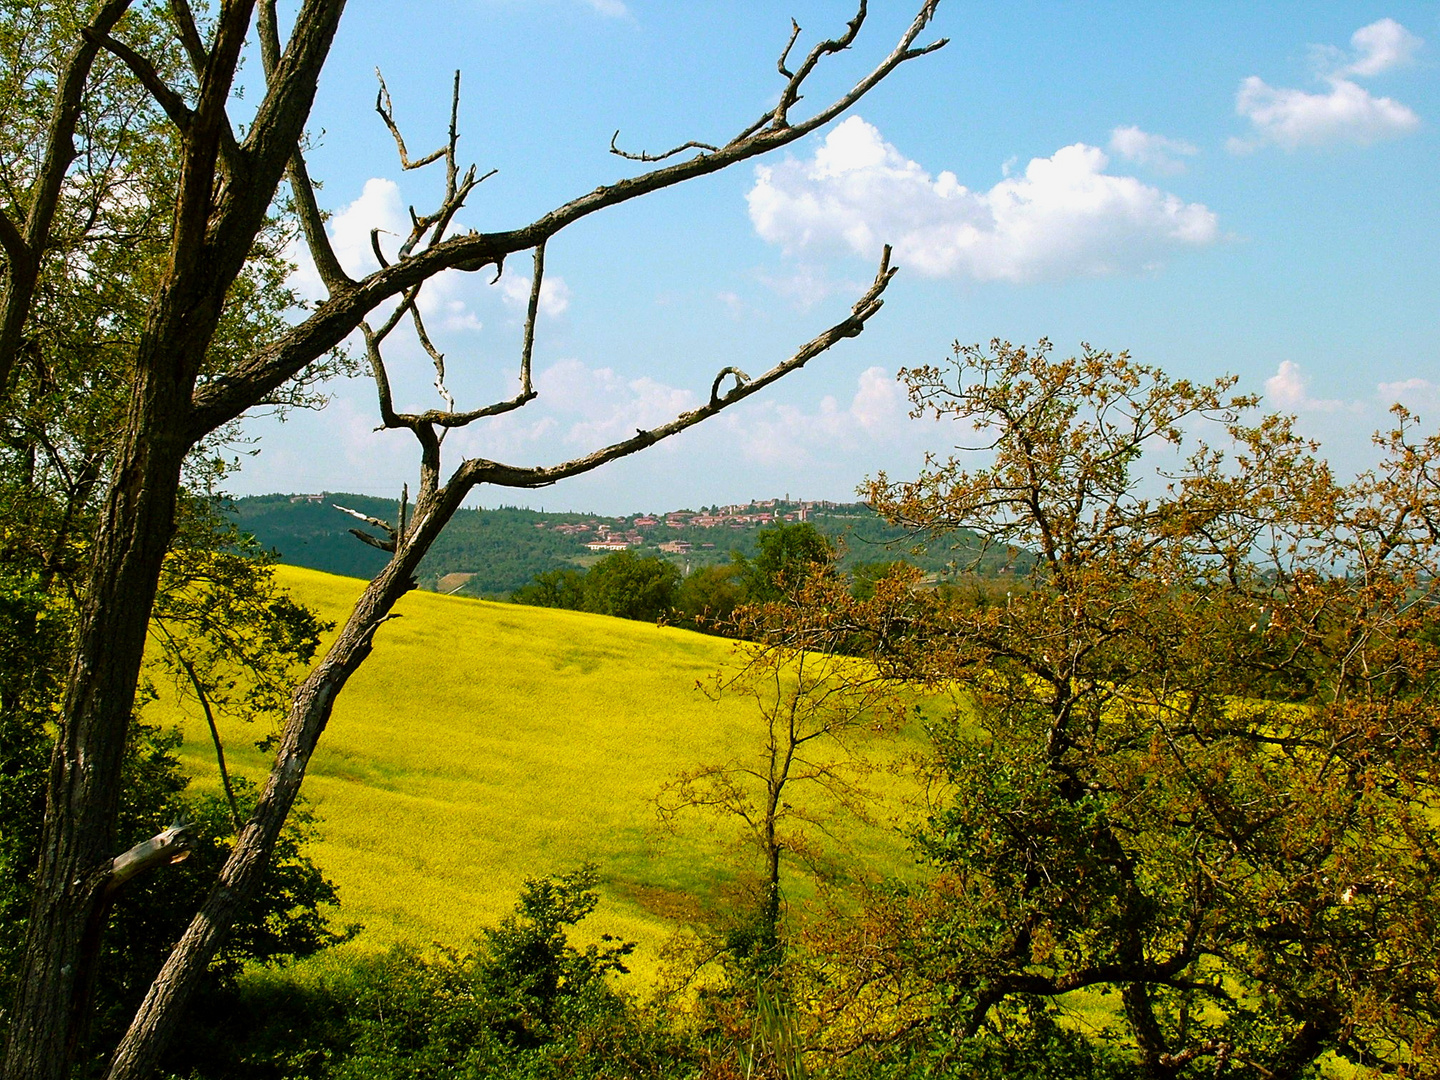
209, 250
225, 190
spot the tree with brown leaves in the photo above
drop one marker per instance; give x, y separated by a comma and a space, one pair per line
1195, 764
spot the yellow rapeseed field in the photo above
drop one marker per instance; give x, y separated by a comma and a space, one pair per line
484, 743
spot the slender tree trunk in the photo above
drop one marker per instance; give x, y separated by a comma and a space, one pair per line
160, 1013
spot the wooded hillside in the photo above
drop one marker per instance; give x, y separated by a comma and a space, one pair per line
504, 548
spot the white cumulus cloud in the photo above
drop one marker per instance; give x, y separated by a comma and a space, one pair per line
1065, 216
1291, 118
1289, 389
554, 294
1151, 151
876, 418
598, 406
1345, 112
1379, 47
1420, 395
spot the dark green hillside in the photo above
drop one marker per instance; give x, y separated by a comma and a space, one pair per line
494, 552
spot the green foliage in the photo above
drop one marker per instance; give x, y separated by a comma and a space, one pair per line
503, 549
631, 586
623, 584
788, 554
529, 961
221, 619
775, 1047
1029, 1045
555, 589
288, 919
32, 641
524, 1003
708, 598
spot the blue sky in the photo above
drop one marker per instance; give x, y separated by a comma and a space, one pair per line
1213, 187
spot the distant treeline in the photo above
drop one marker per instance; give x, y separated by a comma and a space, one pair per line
495, 552
633, 586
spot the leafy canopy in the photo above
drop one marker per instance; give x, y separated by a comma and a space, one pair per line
1194, 760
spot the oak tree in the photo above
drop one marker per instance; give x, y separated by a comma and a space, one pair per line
1195, 763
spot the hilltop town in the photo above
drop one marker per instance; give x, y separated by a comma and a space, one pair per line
623, 533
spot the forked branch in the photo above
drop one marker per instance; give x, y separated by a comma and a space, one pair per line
777, 120
477, 471
386, 109
220, 401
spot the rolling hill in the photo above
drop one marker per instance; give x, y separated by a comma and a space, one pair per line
483, 743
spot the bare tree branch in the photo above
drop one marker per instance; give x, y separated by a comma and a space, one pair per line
164, 847
532, 311
791, 93
477, 470
224, 399
375, 247
387, 114
785, 53
390, 530
642, 156
204, 699
312, 221
10, 239
740, 380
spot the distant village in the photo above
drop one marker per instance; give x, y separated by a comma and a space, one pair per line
622, 533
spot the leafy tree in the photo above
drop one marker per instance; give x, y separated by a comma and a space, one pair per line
524, 1002
554, 588
788, 554
814, 710
709, 596
236, 638
622, 584
32, 641
1194, 765
174, 248
632, 586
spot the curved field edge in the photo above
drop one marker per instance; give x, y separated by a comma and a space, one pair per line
483, 743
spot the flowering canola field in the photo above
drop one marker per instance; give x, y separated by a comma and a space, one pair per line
484, 743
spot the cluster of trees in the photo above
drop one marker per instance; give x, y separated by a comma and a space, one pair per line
649, 588
622, 584
230, 641
1184, 816
1190, 771
1189, 781
502, 549
1187, 789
